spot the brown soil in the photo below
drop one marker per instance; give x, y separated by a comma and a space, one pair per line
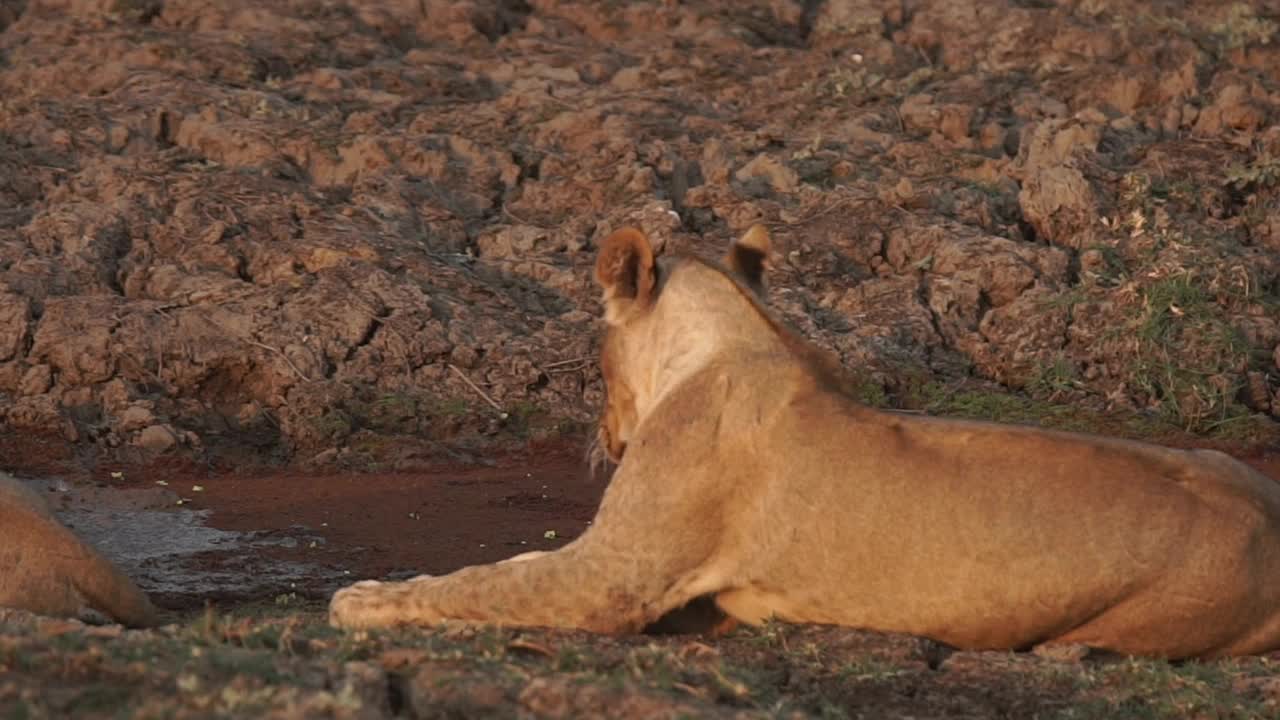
340, 234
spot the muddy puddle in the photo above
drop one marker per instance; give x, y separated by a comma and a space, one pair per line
190, 539
177, 554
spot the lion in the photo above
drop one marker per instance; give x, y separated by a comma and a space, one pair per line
747, 472
47, 570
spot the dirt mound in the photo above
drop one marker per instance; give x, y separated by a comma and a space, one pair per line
309, 229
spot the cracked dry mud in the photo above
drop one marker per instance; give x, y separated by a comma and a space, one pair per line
349, 235
305, 229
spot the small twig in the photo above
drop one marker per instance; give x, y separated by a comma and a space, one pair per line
835, 205
583, 365
691, 690
501, 413
280, 352
270, 418
530, 646
570, 361
924, 56
566, 366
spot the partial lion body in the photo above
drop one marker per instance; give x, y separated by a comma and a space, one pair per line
748, 475
988, 536
46, 569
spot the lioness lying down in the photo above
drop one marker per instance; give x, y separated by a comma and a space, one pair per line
747, 473
46, 569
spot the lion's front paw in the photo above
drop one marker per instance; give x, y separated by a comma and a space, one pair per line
372, 604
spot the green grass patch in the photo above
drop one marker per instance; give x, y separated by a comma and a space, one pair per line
1135, 688
1188, 356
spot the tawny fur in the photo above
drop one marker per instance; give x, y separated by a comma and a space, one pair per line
46, 569
748, 473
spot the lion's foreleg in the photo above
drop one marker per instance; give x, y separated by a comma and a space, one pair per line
570, 588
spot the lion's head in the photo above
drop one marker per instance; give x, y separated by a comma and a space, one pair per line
632, 280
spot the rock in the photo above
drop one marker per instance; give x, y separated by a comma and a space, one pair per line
919, 113
11, 376
1020, 337
780, 177
41, 413
965, 34
1057, 142
787, 12
156, 438
1232, 109
136, 417
1093, 261
78, 396
1255, 394
323, 458
511, 242
86, 239
36, 380
1057, 199
837, 18
74, 337
115, 396
1060, 204
15, 315
956, 121
464, 356
629, 78
951, 120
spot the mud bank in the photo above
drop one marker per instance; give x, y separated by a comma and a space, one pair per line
342, 233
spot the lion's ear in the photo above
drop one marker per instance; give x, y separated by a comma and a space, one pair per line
748, 257
624, 270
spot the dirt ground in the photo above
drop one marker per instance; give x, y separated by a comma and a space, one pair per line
359, 233
328, 261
